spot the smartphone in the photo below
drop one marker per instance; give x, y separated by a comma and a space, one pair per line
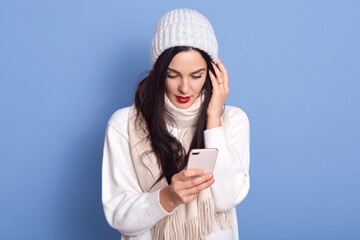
204, 159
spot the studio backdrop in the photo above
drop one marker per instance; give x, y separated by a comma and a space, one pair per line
294, 68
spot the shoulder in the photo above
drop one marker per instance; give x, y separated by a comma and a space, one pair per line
119, 120
236, 115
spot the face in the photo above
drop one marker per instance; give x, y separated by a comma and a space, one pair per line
185, 78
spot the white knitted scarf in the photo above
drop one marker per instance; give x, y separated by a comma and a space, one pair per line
194, 220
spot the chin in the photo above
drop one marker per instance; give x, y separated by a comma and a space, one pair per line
183, 106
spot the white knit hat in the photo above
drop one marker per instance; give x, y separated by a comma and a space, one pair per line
183, 27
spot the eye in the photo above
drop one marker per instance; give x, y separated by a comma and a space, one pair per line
171, 76
197, 76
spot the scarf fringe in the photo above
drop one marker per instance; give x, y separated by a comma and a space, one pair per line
174, 227
224, 220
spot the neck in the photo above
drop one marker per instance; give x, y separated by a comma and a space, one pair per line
186, 117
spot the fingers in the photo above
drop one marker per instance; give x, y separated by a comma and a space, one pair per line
187, 195
213, 79
221, 74
187, 189
221, 81
198, 188
223, 70
217, 71
192, 193
188, 173
195, 184
221, 66
190, 183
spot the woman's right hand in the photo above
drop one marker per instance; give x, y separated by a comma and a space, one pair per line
184, 190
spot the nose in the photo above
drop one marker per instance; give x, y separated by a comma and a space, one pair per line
184, 86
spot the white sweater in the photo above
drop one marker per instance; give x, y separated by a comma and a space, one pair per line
134, 212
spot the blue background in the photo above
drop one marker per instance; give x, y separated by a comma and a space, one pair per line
294, 68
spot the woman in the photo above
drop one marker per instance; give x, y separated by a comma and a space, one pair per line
179, 106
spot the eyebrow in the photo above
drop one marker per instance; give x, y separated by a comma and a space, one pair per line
173, 70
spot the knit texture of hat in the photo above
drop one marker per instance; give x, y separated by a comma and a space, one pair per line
183, 27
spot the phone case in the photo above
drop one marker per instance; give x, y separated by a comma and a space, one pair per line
202, 159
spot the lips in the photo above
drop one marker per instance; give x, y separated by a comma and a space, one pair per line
183, 99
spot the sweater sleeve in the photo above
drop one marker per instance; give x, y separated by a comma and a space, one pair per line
127, 208
231, 171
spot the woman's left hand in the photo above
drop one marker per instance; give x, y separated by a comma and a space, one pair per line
220, 91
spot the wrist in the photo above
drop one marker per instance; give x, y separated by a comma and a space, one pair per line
213, 121
166, 200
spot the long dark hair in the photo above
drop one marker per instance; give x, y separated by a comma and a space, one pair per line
149, 101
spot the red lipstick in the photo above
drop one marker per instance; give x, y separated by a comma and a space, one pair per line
182, 99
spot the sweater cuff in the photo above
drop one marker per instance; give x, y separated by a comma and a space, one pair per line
214, 137
155, 210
